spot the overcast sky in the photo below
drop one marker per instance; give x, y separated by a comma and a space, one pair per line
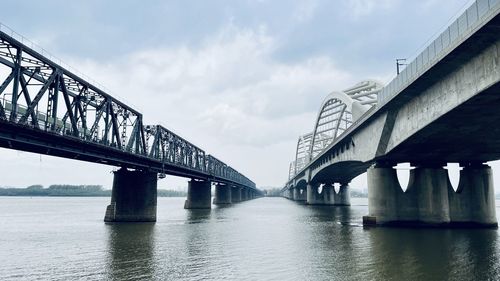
240, 79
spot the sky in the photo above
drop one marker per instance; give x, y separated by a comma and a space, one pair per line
240, 79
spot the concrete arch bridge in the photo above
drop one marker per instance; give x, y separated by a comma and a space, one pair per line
442, 108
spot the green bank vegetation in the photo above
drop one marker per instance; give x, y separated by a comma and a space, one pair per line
73, 190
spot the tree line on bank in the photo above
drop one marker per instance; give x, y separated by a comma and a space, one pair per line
73, 190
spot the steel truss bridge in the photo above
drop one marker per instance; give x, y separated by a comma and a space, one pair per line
47, 109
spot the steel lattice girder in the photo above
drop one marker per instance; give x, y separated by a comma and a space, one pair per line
48, 102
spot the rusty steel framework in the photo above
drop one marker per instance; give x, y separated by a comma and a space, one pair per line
45, 108
337, 113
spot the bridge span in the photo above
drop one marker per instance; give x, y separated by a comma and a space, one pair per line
442, 108
46, 108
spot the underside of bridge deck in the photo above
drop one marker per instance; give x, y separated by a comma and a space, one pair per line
472, 134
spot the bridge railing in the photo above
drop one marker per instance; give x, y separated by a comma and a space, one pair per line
462, 28
48, 97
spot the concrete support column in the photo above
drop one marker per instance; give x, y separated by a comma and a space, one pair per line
133, 197
313, 197
383, 190
199, 195
302, 194
474, 201
425, 202
243, 194
295, 194
430, 187
343, 197
222, 194
328, 194
235, 194
310, 190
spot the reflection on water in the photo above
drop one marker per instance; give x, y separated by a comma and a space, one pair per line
131, 250
196, 241
264, 239
198, 215
434, 254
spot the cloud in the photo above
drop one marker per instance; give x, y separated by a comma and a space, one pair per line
305, 10
230, 85
242, 82
362, 8
228, 92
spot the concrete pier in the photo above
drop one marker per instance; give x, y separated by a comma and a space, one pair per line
199, 195
430, 199
313, 197
425, 202
473, 204
383, 190
133, 197
235, 194
222, 194
343, 197
243, 194
328, 194
302, 194
295, 194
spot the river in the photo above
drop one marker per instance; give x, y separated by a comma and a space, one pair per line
47, 238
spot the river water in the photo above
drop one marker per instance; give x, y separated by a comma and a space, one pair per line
264, 239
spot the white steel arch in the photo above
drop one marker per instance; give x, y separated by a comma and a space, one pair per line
337, 113
302, 152
339, 110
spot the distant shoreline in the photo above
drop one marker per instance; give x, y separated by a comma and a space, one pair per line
83, 195
73, 191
